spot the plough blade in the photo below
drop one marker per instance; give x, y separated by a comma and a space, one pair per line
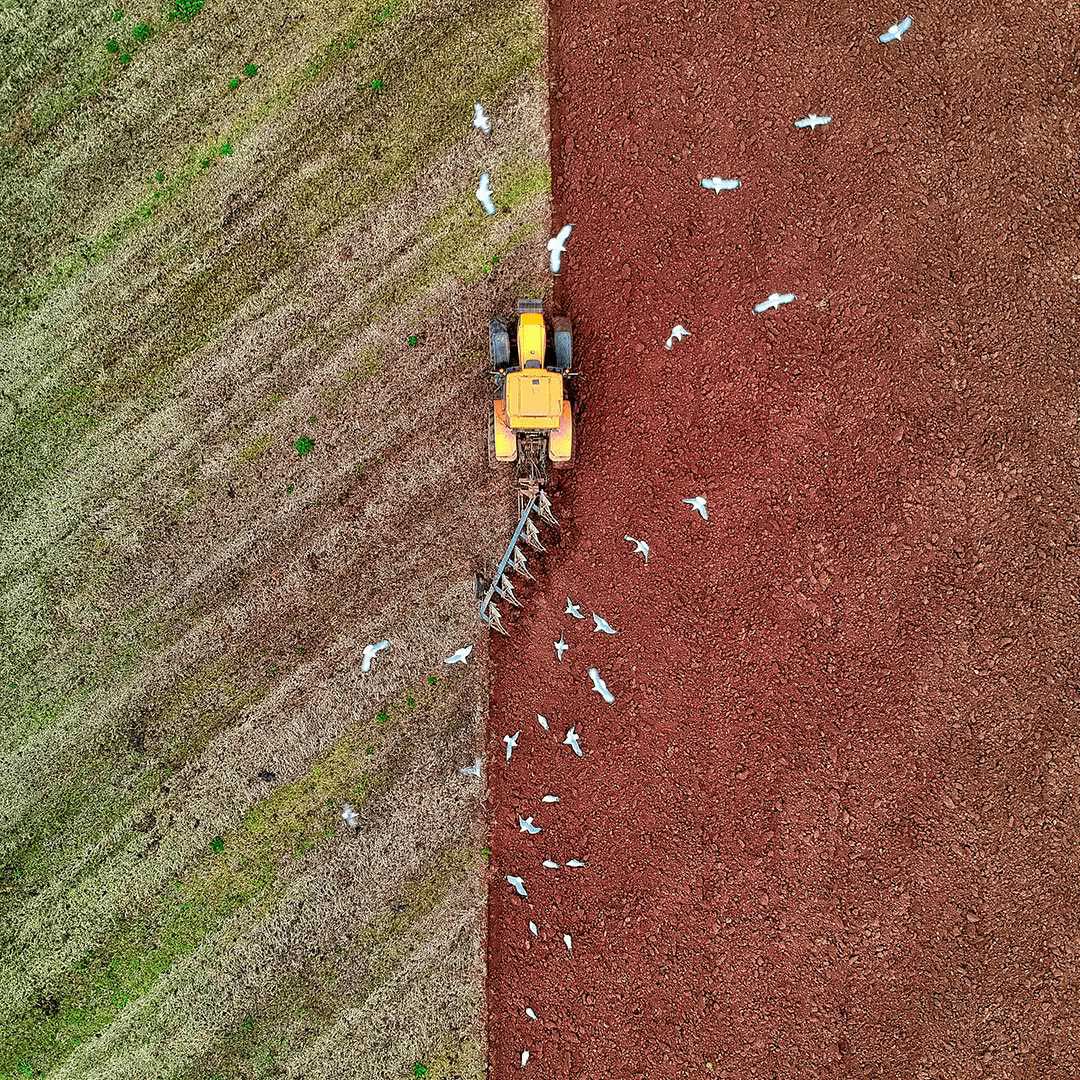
505, 589
543, 508
494, 619
519, 564
531, 536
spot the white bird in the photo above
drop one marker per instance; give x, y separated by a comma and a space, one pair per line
773, 301
560, 647
550, 798
460, 656
678, 332
511, 743
812, 121
572, 609
370, 652
600, 686
602, 625
524, 1058
525, 824
530, 1014
480, 119
568, 941
517, 884
551, 864
534, 929
573, 741
350, 816
557, 245
896, 31
640, 547
575, 863
718, 184
473, 769
483, 193
698, 505
543, 722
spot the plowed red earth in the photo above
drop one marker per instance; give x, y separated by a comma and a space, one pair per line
830, 819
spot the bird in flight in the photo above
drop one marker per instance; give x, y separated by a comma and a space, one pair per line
557, 245
370, 652
460, 657
511, 743
640, 547
773, 301
572, 609
896, 31
600, 686
480, 119
517, 884
525, 824
812, 121
573, 741
718, 184
560, 647
483, 193
602, 626
697, 504
472, 770
678, 332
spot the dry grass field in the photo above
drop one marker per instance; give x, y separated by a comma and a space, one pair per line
243, 310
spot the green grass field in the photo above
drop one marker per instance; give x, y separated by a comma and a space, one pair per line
241, 435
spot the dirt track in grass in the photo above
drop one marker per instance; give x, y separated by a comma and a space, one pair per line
830, 818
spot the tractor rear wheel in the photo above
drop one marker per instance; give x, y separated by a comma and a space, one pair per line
499, 348
564, 343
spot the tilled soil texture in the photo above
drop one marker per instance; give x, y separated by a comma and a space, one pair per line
830, 818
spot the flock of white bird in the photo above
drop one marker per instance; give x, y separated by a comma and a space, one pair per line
697, 504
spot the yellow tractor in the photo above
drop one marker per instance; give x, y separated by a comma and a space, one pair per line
531, 419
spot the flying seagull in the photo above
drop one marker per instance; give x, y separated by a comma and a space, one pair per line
560, 647
640, 547
600, 686
697, 504
460, 656
525, 824
483, 193
473, 769
511, 743
534, 929
572, 609
812, 121
517, 884
550, 798
572, 740
530, 1014
678, 332
551, 864
568, 941
557, 245
575, 863
773, 301
480, 119
602, 625
370, 652
542, 721
718, 184
896, 31
350, 816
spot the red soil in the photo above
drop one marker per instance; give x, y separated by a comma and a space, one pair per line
830, 819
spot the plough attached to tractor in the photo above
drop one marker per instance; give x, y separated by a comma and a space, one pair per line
530, 424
